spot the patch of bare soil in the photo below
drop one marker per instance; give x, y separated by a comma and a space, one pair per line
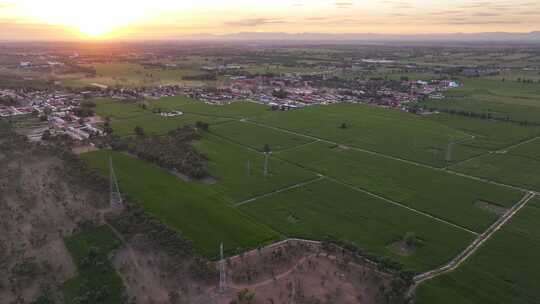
158, 266
490, 207
39, 206
343, 147
303, 273
402, 248
84, 149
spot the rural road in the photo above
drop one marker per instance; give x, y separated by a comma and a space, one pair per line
299, 185
471, 249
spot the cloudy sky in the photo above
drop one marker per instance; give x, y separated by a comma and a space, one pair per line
60, 19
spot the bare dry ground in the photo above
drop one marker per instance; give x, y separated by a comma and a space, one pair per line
304, 272
40, 204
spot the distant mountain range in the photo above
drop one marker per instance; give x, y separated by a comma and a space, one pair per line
532, 37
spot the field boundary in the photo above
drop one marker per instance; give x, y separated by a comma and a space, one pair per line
285, 189
321, 176
394, 158
474, 246
488, 153
398, 204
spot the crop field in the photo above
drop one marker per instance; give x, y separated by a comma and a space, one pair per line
488, 135
155, 124
239, 172
280, 69
390, 132
118, 110
316, 189
438, 193
188, 105
195, 209
257, 137
128, 74
519, 166
90, 251
125, 117
508, 99
498, 110
326, 208
505, 270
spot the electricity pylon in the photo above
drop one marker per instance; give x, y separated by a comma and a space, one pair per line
116, 197
222, 275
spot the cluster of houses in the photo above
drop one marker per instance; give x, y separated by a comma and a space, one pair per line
292, 92
280, 92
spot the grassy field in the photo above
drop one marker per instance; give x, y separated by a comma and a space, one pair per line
90, 251
257, 137
240, 172
509, 99
326, 208
386, 131
130, 75
188, 105
126, 116
155, 124
117, 109
505, 270
519, 166
488, 135
195, 209
445, 195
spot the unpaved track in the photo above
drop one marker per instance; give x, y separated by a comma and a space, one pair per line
396, 158
471, 249
299, 185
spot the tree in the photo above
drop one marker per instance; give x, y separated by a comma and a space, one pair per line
107, 127
46, 135
343, 126
139, 131
267, 149
281, 94
244, 297
88, 104
202, 126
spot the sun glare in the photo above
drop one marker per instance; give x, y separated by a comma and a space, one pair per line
97, 18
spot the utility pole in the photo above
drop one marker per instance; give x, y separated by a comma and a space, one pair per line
449, 153
222, 275
267, 163
293, 295
116, 197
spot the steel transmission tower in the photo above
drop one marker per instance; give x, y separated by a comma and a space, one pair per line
116, 197
222, 274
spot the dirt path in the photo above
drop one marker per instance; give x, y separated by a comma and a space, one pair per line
390, 157
496, 151
299, 185
272, 280
471, 249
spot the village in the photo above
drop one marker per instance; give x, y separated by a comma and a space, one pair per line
66, 114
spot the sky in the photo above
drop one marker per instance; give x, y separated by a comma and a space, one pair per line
166, 19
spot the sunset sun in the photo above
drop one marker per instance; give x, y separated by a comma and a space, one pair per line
95, 19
